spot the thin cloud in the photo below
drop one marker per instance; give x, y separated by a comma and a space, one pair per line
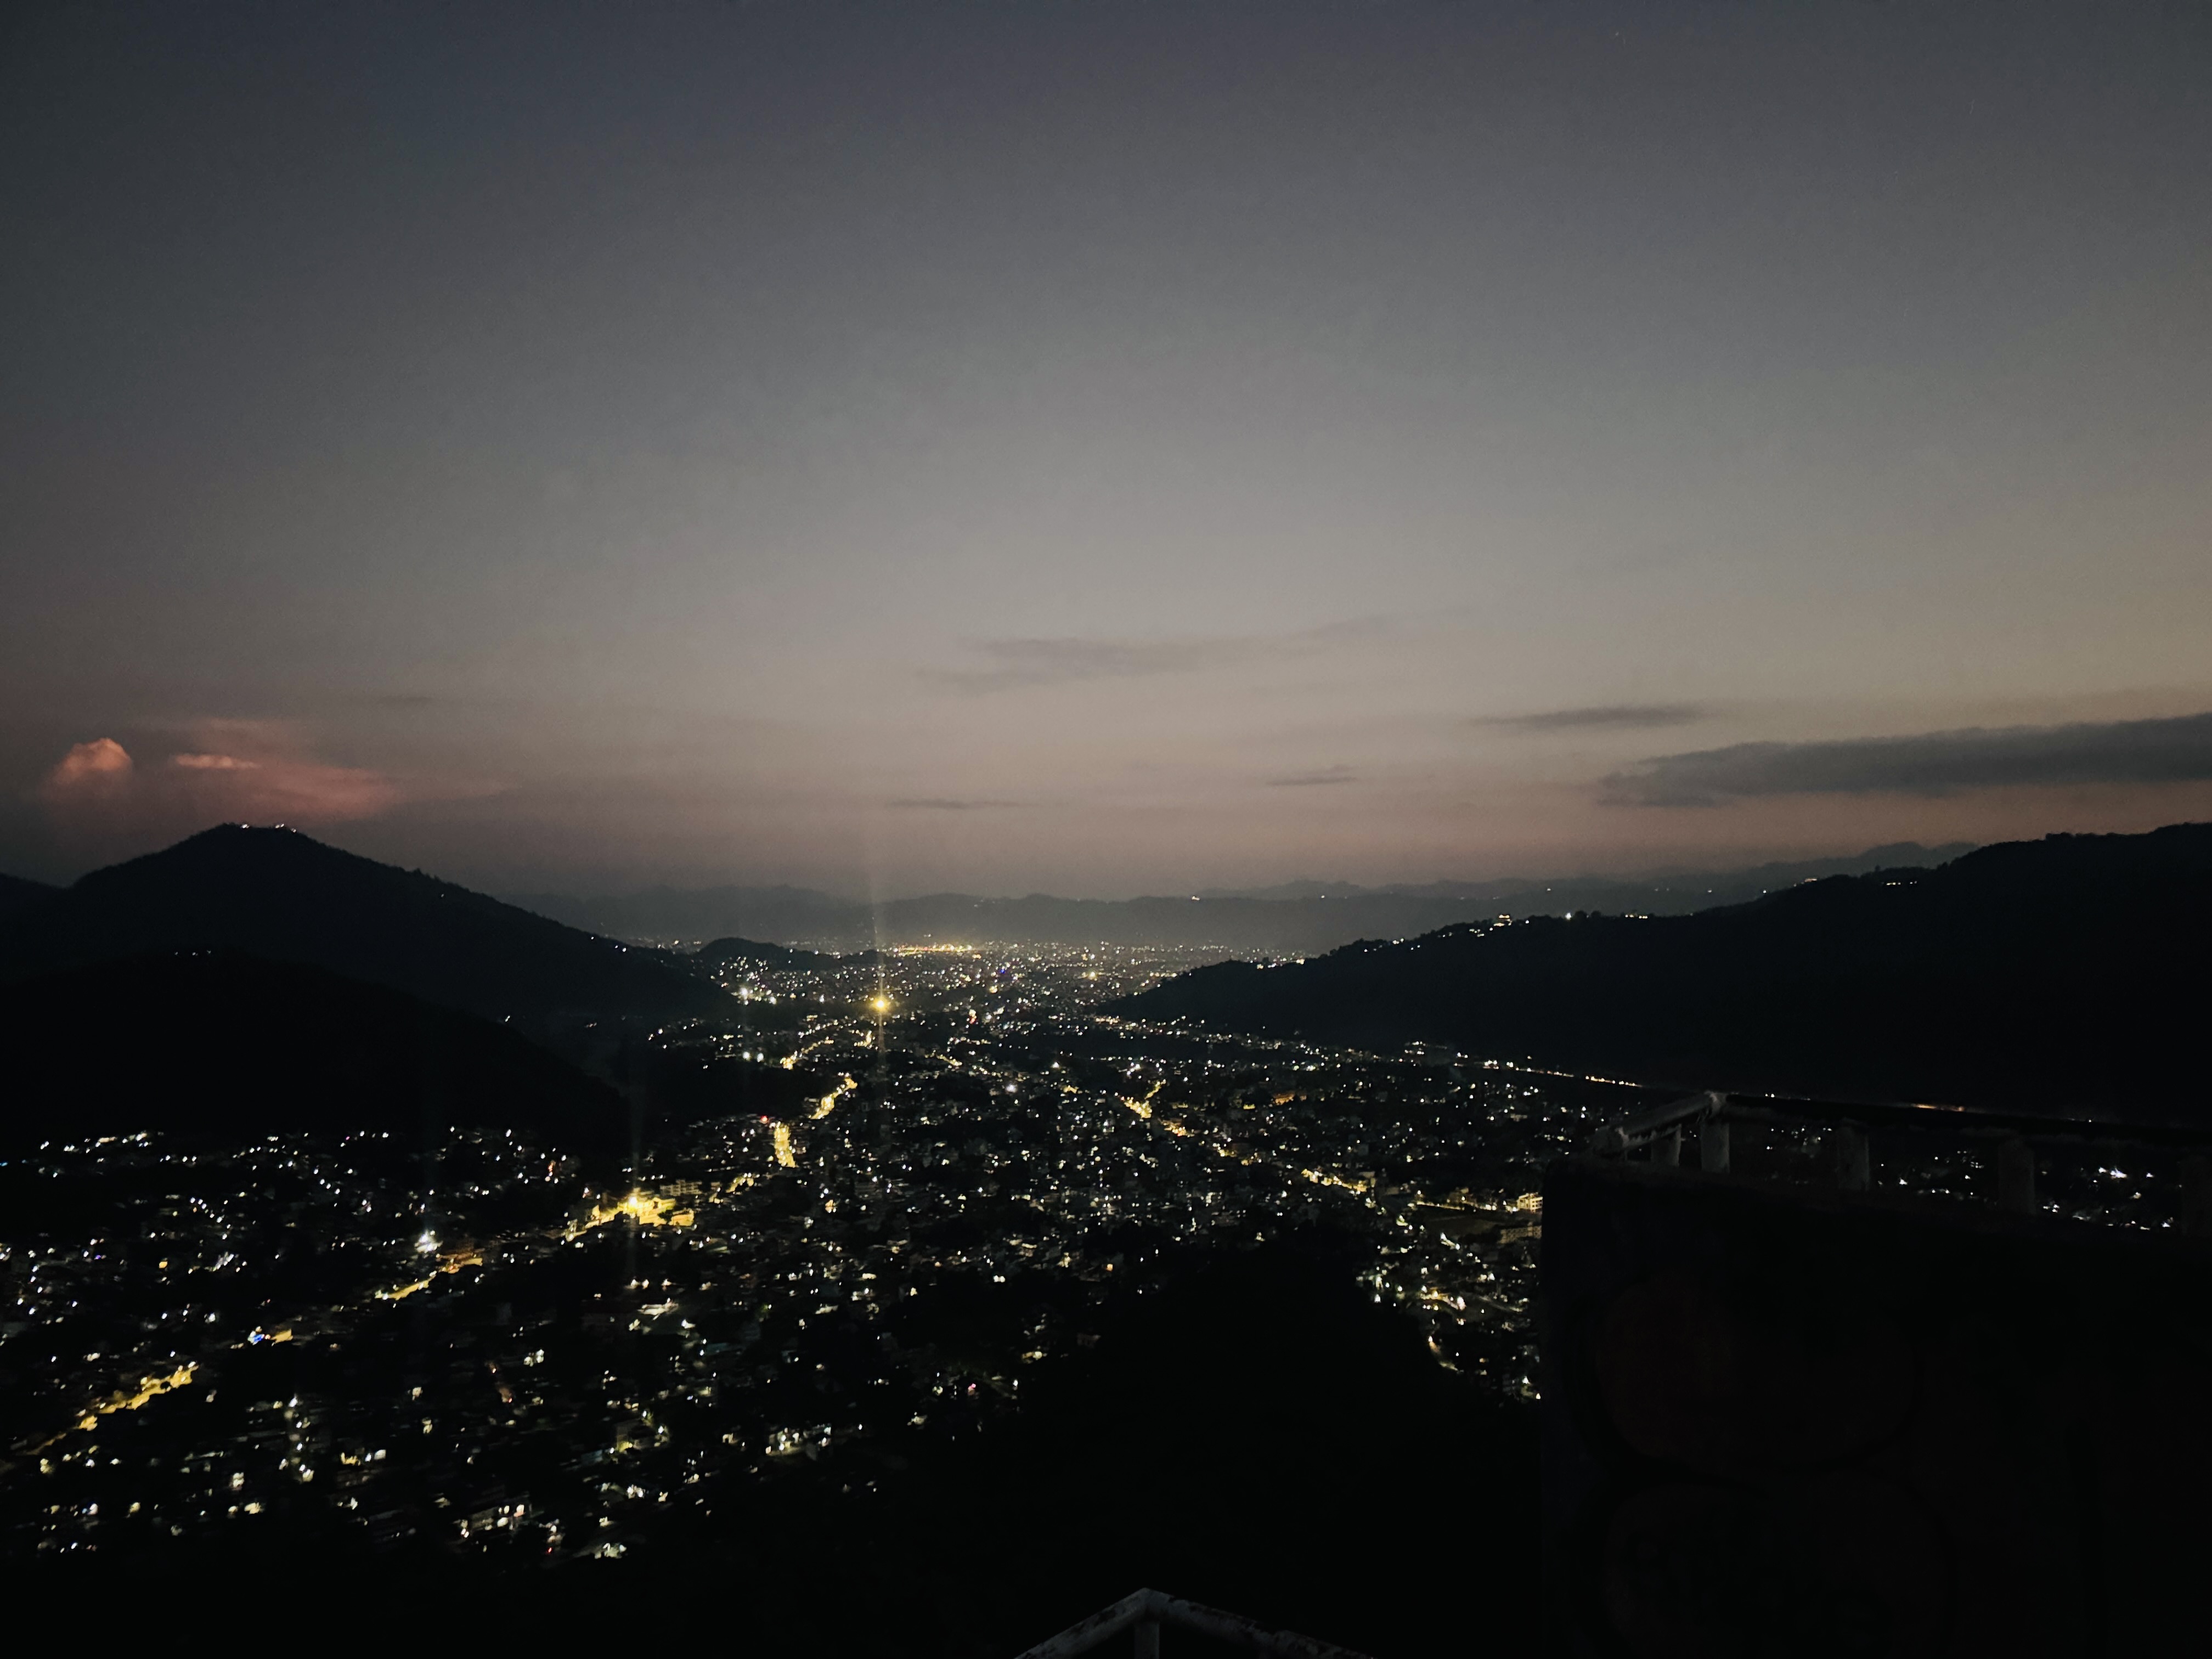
101, 763
945, 804
214, 764
1011, 663
1314, 780
1608, 717
2176, 750
98, 790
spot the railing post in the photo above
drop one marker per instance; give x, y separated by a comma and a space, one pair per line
2016, 1176
1713, 1147
1148, 1639
1854, 1159
2197, 1196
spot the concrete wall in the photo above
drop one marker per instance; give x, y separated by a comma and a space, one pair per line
1787, 1421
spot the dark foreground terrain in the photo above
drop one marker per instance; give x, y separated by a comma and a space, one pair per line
1252, 1430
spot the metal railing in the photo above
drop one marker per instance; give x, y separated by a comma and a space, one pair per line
1146, 1613
2016, 1146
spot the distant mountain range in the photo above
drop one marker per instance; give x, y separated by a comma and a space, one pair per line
689, 916
280, 895
2068, 975
1299, 918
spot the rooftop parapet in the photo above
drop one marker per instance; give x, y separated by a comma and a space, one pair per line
1144, 1613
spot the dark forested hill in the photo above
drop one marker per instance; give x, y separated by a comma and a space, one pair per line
2067, 974
277, 894
15, 892
220, 1044
724, 952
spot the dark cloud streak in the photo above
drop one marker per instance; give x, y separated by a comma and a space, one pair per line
1017, 663
944, 804
2152, 751
1613, 717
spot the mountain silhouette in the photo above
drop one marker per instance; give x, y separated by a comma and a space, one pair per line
2066, 974
280, 895
725, 952
15, 892
216, 1042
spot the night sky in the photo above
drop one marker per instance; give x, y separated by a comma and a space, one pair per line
1102, 446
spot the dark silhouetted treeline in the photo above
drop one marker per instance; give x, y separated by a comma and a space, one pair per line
15, 892
225, 1044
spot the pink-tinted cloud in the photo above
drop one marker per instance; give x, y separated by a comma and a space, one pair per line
103, 762
92, 796
252, 772
278, 791
214, 764
265, 772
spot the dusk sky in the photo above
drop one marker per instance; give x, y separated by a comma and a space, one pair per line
1102, 446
